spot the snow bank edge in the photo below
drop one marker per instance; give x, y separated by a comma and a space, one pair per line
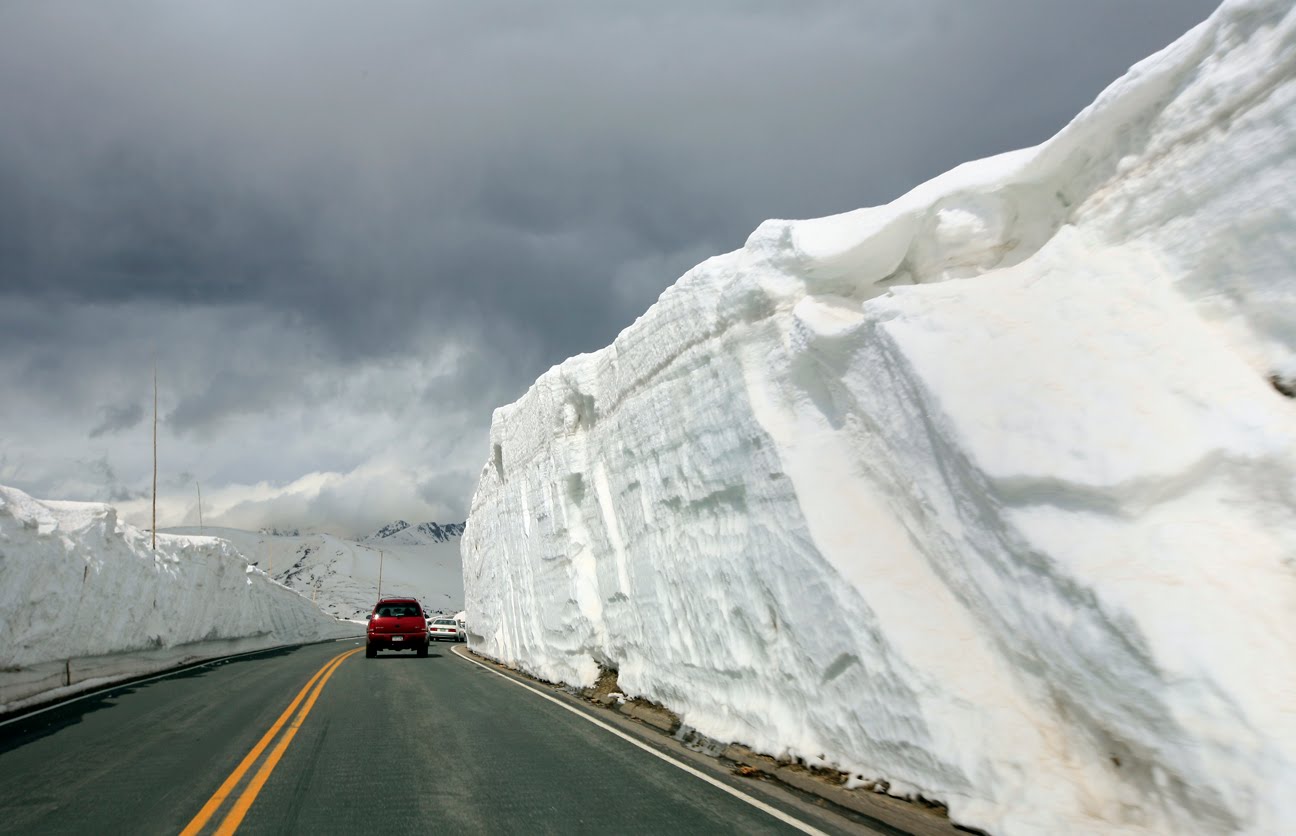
49, 682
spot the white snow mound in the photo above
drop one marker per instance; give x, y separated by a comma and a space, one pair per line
986, 493
84, 596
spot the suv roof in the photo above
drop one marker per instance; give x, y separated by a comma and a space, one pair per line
398, 608
402, 598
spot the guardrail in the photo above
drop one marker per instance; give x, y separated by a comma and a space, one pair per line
22, 687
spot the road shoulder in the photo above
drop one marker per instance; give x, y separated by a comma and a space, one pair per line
809, 794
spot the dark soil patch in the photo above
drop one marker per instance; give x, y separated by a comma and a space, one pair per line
606, 685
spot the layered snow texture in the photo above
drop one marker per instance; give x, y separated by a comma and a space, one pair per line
77, 582
342, 576
987, 495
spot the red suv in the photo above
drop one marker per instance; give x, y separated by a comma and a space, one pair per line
397, 624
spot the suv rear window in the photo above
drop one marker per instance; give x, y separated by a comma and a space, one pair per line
398, 610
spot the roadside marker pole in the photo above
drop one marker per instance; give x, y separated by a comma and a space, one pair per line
153, 530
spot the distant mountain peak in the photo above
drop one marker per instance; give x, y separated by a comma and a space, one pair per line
406, 534
441, 533
389, 530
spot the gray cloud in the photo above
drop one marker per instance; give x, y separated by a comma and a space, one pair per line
298, 206
103, 483
115, 418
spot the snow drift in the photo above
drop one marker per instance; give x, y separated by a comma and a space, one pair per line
987, 495
84, 600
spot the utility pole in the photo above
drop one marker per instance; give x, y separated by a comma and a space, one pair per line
200, 525
154, 452
380, 567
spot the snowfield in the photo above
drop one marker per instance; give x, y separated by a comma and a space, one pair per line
85, 601
987, 495
341, 576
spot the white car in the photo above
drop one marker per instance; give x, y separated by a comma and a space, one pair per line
446, 628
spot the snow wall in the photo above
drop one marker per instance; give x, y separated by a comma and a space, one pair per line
85, 601
987, 495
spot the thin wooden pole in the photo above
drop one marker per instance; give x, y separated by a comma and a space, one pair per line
154, 454
200, 525
380, 565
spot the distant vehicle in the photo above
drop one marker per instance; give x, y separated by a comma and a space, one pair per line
446, 628
397, 624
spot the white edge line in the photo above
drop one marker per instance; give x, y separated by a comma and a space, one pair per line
741, 796
133, 682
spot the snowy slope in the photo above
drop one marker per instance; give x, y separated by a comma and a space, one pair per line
341, 576
83, 595
402, 533
988, 494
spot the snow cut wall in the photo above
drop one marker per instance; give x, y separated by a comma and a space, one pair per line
988, 494
84, 600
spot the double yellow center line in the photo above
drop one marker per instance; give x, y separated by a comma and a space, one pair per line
236, 813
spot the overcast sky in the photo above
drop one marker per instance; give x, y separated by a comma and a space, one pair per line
348, 231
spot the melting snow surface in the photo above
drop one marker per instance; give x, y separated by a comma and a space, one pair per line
986, 493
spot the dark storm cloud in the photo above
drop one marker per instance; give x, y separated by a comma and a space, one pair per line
115, 418
269, 198
370, 171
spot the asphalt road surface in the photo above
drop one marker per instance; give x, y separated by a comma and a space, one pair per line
318, 739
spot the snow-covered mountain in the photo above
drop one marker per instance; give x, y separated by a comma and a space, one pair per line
987, 495
342, 576
401, 532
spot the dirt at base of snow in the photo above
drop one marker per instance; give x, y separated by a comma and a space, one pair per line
921, 817
606, 686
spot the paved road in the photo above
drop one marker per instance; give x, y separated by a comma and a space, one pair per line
395, 744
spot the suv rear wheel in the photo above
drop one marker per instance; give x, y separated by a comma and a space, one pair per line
370, 652
422, 651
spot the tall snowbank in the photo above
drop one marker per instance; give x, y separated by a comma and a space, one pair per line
85, 600
985, 494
